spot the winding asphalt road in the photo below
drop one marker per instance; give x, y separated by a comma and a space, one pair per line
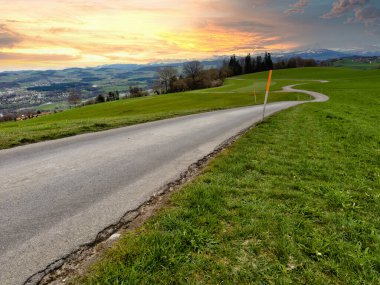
58, 195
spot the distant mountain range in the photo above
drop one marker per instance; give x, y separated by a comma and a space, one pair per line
155, 66
324, 54
317, 54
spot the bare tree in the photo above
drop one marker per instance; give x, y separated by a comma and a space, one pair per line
166, 74
193, 70
157, 87
74, 97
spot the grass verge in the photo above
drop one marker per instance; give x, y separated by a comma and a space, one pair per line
295, 201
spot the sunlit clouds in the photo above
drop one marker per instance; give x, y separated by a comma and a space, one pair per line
57, 34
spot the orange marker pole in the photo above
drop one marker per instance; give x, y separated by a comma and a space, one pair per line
267, 91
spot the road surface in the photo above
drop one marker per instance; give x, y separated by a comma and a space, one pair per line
58, 195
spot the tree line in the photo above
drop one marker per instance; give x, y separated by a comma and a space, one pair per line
195, 76
295, 62
249, 64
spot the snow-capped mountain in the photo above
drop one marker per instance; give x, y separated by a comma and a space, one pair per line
324, 54
320, 54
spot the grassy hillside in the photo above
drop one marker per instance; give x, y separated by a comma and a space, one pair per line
236, 92
295, 201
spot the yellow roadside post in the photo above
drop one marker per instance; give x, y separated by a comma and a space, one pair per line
254, 94
267, 91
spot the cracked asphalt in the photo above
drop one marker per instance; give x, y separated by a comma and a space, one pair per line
58, 195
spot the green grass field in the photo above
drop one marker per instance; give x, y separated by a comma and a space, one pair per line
53, 106
236, 92
295, 201
349, 63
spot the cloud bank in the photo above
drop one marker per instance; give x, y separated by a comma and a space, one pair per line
45, 33
356, 10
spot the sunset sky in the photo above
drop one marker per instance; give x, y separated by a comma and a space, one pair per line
55, 34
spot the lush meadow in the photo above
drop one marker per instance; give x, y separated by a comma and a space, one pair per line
295, 201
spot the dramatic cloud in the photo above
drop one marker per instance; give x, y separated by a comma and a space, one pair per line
342, 7
92, 32
357, 11
298, 7
89, 32
370, 15
8, 38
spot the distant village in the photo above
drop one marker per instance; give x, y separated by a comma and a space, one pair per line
369, 60
17, 102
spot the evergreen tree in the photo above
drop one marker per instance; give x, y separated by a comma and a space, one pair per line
292, 63
254, 65
259, 64
235, 66
248, 64
268, 61
238, 68
100, 99
232, 64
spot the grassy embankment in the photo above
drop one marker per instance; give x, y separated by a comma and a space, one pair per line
295, 201
236, 92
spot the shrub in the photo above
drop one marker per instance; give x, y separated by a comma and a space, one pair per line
8, 117
100, 99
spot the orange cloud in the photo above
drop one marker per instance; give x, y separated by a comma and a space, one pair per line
214, 39
91, 32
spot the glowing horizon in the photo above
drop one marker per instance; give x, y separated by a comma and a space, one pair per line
40, 34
